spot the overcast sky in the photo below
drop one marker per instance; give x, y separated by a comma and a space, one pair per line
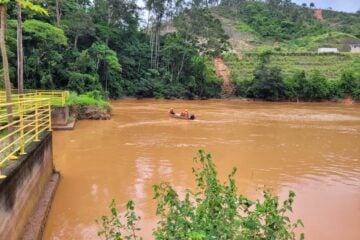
339, 5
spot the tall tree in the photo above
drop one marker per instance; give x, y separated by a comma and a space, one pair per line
112, 19
79, 24
20, 51
3, 4
44, 53
5, 61
58, 11
158, 9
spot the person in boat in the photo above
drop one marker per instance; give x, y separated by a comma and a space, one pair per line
171, 111
185, 113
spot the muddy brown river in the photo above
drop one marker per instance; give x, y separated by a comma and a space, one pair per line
313, 149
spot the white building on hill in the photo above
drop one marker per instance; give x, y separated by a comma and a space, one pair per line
328, 50
355, 48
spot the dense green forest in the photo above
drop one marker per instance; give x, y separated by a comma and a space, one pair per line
103, 45
166, 48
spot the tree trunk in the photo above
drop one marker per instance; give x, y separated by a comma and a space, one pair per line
106, 81
20, 52
109, 17
152, 42
181, 67
157, 44
156, 52
5, 61
58, 12
148, 22
75, 41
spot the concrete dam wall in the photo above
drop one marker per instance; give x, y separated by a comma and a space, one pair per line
22, 189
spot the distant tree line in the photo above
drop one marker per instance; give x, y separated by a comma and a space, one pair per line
268, 83
102, 45
285, 20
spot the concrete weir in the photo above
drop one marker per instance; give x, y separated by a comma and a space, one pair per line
60, 119
59, 115
27, 191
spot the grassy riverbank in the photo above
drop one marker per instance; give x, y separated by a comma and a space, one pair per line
88, 99
90, 105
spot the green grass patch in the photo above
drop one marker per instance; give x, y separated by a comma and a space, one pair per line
312, 43
330, 65
91, 98
243, 27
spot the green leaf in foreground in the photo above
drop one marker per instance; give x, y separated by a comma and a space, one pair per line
213, 211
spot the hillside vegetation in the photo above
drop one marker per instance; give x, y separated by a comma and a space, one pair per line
290, 36
105, 46
286, 27
330, 65
311, 43
282, 20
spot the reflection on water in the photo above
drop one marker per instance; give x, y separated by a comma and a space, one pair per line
313, 149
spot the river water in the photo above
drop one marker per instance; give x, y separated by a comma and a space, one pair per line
313, 149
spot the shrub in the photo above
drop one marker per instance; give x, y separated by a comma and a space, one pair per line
334, 89
89, 98
242, 88
296, 86
213, 211
113, 226
268, 84
356, 93
316, 87
348, 83
82, 83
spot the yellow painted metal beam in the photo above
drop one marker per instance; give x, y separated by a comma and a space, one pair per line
57, 97
31, 117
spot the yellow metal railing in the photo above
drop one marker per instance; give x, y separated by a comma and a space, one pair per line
57, 97
26, 122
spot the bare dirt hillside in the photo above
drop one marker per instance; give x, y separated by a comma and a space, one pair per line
318, 14
224, 73
239, 41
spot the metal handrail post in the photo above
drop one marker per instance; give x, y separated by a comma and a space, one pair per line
36, 121
21, 126
49, 115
